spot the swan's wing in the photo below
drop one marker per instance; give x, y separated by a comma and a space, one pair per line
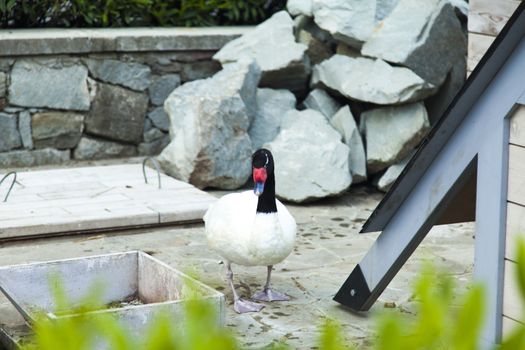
287, 221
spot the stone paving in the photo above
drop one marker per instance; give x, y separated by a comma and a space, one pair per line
328, 247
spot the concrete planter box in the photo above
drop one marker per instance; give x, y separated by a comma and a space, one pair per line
124, 276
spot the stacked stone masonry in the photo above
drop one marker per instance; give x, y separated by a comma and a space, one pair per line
95, 94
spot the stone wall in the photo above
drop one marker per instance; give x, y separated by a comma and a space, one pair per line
94, 94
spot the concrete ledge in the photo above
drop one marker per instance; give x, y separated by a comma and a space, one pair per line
22, 42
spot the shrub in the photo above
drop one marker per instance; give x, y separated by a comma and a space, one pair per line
444, 321
133, 13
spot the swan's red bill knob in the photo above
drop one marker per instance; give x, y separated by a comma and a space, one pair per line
259, 178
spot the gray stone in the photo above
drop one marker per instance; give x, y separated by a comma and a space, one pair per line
392, 132
6, 63
209, 128
271, 107
272, 45
3, 82
349, 21
9, 135
302, 22
36, 85
372, 80
428, 41
152, 135
153, 148
147, 124
132, 75
198, 70
24, 127
91, 148
57, 129
117, 114
384, 8
161, 87
299, 7
392, 173
344, 122
438, 103
311, 161
24, 158
461, 8
317, 50
320, 101
160, 118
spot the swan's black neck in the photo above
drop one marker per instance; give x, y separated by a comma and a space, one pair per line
266, 203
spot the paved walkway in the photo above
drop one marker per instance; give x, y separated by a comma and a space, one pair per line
328, 247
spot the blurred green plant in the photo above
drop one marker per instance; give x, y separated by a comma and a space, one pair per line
516, 339
133, 13
444, 320
84, 329
439, 323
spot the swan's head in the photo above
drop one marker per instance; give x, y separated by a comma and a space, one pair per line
262, 165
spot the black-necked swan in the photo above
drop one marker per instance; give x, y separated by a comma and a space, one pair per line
252, 228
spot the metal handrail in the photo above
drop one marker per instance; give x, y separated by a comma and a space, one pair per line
157, 167
12, 183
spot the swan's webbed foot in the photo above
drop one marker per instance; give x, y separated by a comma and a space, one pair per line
242, 306
268, 294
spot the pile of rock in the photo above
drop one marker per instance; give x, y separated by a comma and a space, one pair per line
53, 109
368, 77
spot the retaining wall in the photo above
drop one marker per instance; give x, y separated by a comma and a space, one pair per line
95, 93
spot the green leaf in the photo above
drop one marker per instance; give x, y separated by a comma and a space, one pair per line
520, 260
469, 320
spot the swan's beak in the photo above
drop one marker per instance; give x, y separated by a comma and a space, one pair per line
259, 178
258, 189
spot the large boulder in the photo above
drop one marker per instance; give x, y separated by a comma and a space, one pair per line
272, 45
423, 35
344, 122
57, 129
9, 135
392, 132
392, 173
321, 101
349, 21
310, 160
50, 84
370, 80
271, 107
438, 103
117, 114
384, 8
132, 75
210, 118
299, 7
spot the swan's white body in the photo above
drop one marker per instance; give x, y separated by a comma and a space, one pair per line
242, 236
